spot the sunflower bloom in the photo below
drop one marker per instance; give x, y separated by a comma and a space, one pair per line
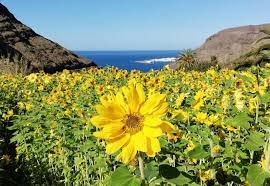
239, 100
207, 175
180, 99
199, 100
131, 122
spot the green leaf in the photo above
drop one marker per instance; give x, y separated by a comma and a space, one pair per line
163, 142
256, 175
168, 172
255, 141
194, 184
241, 120
78, 161
87, 146
242, 154
182, 179
122, 177
151, 170
173, 175
194, 128
100, 163
198, 153
180, 117
265, 98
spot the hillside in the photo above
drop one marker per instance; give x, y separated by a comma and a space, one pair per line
23, 50
237, 47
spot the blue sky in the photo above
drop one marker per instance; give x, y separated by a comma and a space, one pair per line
135, 24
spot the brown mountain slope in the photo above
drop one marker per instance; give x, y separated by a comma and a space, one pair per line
22, 50
237, 47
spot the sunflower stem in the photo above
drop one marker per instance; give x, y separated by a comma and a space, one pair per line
141, 166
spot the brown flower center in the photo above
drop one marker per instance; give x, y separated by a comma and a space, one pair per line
133, 123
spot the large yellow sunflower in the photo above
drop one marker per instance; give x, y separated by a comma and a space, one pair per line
130, 121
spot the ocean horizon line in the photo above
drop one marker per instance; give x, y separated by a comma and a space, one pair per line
140, 60
124, 50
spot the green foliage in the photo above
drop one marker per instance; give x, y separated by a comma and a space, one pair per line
215, 143
198, 153
186, 59
240, 120
256, 176
122, 177
255, 141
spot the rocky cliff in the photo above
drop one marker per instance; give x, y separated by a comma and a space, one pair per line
237, 47
23, 50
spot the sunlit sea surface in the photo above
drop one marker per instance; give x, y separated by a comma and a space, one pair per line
129, 60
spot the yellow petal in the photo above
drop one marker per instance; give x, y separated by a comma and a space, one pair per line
153, 147
167, 127
152, 121
141, 93
114, 145
110, 132
180, 99
153, 102
106, 100
100, 121
135, 95
128, 153
120, 100
133, 99
127, 95
161, 110
152, 131
197, 105
140, 141
112, 111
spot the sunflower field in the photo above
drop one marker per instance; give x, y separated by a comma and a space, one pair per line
114, 127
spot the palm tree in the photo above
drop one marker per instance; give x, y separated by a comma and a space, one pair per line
186, 59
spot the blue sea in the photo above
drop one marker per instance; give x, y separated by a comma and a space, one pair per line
130, 60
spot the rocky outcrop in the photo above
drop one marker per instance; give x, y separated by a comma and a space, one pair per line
237, 47
23, 50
